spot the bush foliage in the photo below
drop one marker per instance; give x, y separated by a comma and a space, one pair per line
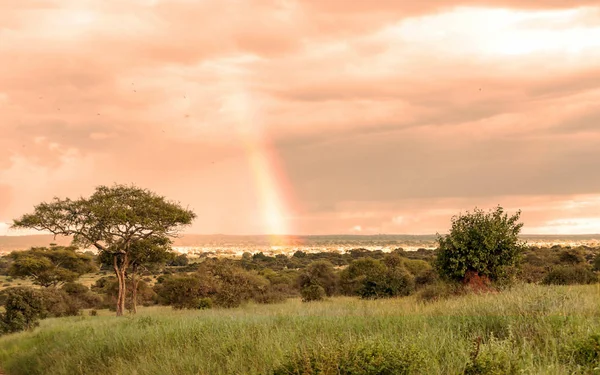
485, 243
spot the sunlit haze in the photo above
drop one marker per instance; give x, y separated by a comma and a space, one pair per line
307, 116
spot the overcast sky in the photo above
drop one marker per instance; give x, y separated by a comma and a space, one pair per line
307, 116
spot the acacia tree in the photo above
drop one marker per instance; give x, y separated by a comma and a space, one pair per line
481, 243
113, 220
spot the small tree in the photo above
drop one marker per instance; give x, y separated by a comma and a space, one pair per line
50, 267
482, 244
113, 220
24, 307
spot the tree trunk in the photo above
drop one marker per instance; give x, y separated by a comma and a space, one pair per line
121, 283
124, 285
134, 283
120, 271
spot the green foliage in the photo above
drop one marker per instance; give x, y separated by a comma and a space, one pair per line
83, 296
494, 358
58, 303
185, 291
585, 352
50, 267
571, 257
485, 243
312, 292
370, 358
178, 260
320, 273
596, 265
371, 278
364, 277
204, 303
569, 275
24, 307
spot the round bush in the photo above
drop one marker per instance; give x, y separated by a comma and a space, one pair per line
312, 292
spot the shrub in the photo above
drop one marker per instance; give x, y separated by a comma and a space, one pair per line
58, 303
93, 312
372, 278
312, 292
364, 277
184, 292
273, 294
571, 257
82, 295
585, 352
358, 359
484, 243
492, 359
427, 277
236, 285
596, 265
205, 303
569, 275
416, 267
24, 307
530, 273
320, 273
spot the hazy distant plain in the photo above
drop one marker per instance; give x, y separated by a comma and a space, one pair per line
236, 245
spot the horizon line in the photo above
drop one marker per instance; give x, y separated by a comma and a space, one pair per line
318, 235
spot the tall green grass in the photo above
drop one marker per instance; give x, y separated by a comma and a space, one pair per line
530, 326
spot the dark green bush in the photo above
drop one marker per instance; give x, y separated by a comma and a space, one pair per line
571, 257
185, 292
358, 359
24, 307
312, 292
372, 278
570, 275
486, 244
427, 277
205, 303
320, 273
596, 264
493, 359
58, 303
83, 295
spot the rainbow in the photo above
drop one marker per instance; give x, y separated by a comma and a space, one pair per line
275, 196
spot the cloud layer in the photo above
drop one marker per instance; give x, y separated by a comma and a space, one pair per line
388, 116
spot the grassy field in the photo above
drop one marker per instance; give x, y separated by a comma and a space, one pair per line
532, 327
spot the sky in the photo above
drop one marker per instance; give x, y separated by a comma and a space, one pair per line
307, 116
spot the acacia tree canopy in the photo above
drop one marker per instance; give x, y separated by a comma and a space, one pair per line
112, 219
485, 243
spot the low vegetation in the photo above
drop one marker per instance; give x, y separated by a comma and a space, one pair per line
531, 329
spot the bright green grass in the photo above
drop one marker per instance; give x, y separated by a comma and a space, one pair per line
533, 324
